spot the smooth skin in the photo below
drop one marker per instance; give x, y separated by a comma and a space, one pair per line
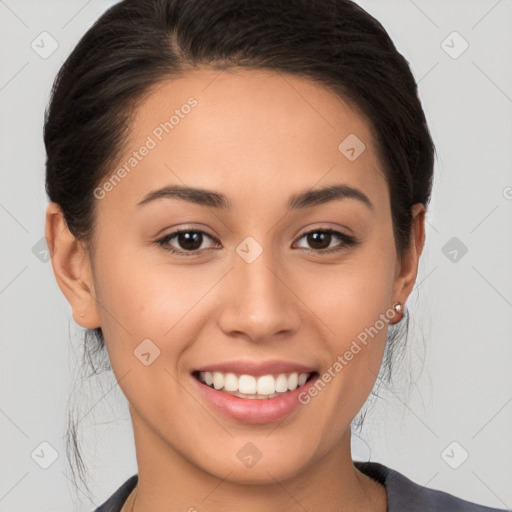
258, 137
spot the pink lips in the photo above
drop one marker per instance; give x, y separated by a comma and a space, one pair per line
253, 411
256, 369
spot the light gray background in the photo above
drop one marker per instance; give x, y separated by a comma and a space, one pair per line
460, 345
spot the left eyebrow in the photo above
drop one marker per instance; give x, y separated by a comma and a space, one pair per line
326, 194
212, 199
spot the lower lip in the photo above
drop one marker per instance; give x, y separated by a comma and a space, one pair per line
255, 410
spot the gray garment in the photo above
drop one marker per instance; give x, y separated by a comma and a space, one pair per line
404, 495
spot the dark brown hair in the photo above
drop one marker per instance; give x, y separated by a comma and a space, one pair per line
137, 43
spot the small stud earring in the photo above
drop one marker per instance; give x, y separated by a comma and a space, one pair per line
397, 306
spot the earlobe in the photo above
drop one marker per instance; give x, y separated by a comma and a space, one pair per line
72, 269
407, 271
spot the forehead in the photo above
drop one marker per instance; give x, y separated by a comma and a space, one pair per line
265, 99
261, 128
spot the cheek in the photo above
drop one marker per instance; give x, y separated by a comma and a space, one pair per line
351, 296
139, 299
356, 307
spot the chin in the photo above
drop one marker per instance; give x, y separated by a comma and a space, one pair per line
264, 470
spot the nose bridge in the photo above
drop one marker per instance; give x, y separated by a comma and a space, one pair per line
260, 283
258, 304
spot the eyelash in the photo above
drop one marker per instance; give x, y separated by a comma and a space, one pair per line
347, 240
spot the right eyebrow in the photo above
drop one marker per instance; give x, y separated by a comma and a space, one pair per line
194, 195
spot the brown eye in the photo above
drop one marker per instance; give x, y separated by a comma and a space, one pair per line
320, 240
187, 242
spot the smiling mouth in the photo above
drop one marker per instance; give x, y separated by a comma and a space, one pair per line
252, 387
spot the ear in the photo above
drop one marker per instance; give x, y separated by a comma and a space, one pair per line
407, 270
72, 268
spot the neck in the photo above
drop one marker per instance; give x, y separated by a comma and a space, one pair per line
168, 481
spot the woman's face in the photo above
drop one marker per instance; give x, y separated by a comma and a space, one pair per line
257, 287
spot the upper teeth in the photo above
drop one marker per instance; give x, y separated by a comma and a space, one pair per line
248, 384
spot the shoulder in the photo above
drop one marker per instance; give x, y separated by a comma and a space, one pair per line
404, 494
117, 500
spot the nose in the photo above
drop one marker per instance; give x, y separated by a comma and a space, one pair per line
259, 302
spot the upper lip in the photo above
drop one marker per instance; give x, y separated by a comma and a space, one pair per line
256, 368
